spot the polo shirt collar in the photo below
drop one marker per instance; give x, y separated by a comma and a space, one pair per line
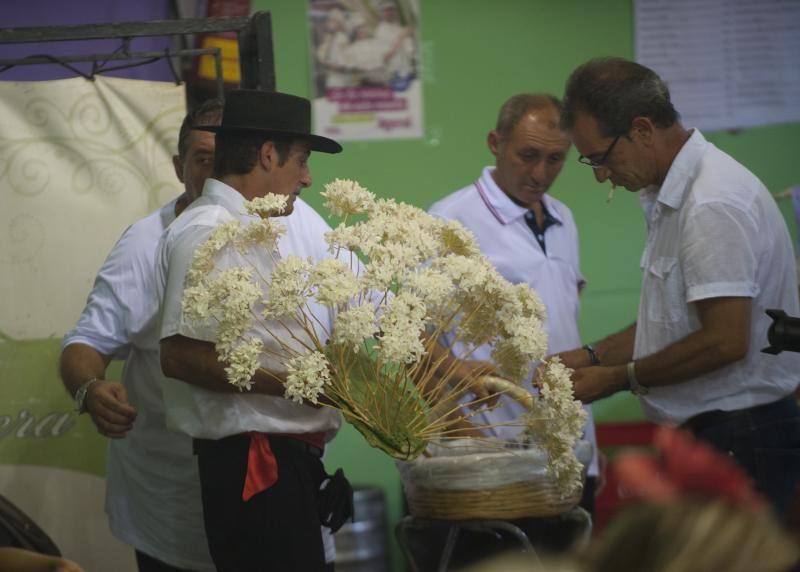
503, 208
682, 171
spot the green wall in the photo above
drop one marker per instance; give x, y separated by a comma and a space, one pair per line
475, 55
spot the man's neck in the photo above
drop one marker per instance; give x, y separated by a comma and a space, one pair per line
245, 185
535, 207
181, 204
674, 138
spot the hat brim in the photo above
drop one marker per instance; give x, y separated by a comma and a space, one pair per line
316, 142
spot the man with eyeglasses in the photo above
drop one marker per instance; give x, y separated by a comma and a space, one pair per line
717, 254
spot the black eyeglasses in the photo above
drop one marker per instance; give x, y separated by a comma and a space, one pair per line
601, 162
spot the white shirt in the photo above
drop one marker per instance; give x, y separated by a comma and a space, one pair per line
713, 230
209, 414
152, 487
508, 242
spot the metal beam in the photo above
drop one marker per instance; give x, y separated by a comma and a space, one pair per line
43, 59
123, 30
256, 57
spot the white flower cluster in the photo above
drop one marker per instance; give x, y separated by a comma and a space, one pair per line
401, 325
243, 361
264, 233
556, 424
308, 375
356, 326
422, 275
334, 283
203, 261
228, 298
344, 197
288, 287
267, 206
455, 239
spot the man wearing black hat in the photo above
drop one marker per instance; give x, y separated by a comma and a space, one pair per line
258, 453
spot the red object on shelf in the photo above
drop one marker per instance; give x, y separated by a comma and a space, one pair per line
610, 437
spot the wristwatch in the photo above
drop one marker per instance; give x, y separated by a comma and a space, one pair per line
593, 359
634, 385
80, 395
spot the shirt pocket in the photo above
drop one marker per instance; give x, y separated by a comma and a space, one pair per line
664, 298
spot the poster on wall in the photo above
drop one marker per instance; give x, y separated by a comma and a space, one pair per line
365, 69
729, 65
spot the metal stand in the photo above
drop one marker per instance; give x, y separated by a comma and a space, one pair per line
254, 33
454, 528
578, 521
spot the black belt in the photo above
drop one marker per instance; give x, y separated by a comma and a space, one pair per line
708, 419
201, 445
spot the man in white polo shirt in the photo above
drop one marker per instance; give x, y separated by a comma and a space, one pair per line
717, 255
258, 453
528, 235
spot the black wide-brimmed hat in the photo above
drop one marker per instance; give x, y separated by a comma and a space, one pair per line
272, 113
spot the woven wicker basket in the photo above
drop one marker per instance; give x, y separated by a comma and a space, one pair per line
503, 486
518, 500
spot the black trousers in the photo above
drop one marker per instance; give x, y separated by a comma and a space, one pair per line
277, 529
764, 441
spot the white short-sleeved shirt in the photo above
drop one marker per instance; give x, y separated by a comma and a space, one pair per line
713, 230
152, 487
212, 415
505, 238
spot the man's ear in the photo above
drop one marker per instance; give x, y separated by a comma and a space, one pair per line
268, 156
177, 163
493, 142
643, 130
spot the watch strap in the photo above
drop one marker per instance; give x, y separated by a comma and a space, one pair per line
593, 359
80, 394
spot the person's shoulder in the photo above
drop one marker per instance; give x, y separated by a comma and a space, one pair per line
143, 234
456, 203
717, 168
201, 212
722, 179
305, 219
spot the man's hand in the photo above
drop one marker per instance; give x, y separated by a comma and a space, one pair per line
592, 383
573, 359
107, 403
469, 372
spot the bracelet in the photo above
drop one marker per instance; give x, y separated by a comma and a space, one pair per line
634, 385
593, 359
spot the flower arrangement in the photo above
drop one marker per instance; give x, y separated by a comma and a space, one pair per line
380, 364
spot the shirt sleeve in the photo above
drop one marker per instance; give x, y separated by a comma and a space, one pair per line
177, 258
105, 323
716, 254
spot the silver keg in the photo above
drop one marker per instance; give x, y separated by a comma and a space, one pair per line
363, 545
